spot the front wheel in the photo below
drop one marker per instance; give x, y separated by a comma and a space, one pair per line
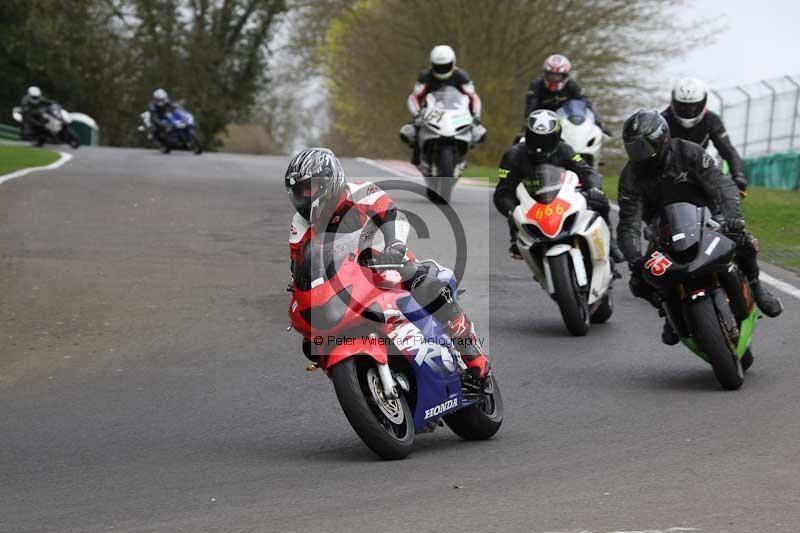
482, 419
604, 309
69, 137
707, 331
386, 426
571, 303
445, 171
194, 144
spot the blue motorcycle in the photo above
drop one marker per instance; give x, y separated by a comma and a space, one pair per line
180, 133
394, 370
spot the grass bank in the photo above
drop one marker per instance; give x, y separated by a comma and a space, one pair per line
16, 157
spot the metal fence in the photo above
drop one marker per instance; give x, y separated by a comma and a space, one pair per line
762, 117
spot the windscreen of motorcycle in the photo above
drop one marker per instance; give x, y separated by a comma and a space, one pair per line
680, 226
546, 183
576, 111
323, 256
449, 98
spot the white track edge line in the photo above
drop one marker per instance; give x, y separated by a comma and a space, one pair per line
63, 158
385, 168
402, 174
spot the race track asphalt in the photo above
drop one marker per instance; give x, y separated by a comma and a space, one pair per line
147, 382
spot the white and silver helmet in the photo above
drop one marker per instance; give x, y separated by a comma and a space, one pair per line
160, 96
688, 106
34, 94
443, 61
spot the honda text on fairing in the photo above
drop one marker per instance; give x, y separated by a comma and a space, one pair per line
579, 129
703, 294
566, 245
181, 133
54, 127
448, 130
395, 371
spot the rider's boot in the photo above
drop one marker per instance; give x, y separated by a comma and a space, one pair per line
514, 251
462, 334
668, 335
616, 253
769, 304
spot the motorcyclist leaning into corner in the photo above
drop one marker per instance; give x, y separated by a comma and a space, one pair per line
554, 87
326, 202
159, 108
32, 105
543, 145
442, 72
688, 118
662, 170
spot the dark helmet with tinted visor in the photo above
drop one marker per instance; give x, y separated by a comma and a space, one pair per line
316, 184
645, 135
542, 134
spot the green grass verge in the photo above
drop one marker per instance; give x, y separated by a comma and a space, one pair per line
16, 157
489, 174
771, 216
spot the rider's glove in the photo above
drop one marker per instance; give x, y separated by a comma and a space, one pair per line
740, 182
733, 226
393, 253
595, 199
636, 266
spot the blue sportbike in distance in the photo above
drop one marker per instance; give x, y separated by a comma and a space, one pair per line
180, 133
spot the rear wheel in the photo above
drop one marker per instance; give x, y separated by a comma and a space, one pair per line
747, 360
707, 331
571, 302
386, 426
482, 419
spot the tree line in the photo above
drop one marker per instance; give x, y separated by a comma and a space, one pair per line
334, 72
106, 57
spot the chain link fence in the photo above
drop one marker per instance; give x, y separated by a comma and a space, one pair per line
763, 117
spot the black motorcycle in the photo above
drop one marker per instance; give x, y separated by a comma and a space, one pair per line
701, 290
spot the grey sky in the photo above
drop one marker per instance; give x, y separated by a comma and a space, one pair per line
761, 40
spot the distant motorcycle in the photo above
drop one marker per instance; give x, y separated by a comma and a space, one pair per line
180, 134
446, 133
54, 127
566, 245
580, 130
701, 291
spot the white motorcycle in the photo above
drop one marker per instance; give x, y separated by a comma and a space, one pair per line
580, 130
55, 126
446, 133
566, 245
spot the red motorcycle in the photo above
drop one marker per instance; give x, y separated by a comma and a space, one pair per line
394, 370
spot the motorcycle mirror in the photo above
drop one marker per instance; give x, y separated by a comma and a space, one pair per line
650, 233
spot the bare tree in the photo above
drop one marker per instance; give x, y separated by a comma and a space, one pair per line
373, 50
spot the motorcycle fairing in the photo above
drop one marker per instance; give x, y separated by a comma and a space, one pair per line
436, 369
582, 229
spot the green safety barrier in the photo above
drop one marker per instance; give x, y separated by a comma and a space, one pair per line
774, 171
9, 132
